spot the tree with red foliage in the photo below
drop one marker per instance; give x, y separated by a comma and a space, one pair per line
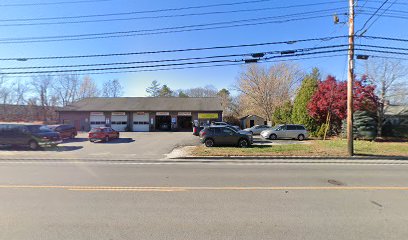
331, 98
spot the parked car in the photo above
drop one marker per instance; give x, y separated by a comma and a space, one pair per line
291, 131
197, 129
102, 134
225, 124
33, 136
65, 130
257, 129
224, 135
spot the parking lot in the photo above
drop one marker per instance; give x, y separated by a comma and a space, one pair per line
130, 145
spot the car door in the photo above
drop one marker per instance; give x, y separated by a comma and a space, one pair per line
291, 131
281, 131
230, 137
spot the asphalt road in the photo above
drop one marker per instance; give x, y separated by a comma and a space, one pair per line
202, 201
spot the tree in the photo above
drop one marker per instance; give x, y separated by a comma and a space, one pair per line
283, 114
20, 91
88, 88
207, 91
303, 97
181, 94
165, 91
112, 88
264, 89
154, 89
66, 88
329, 102
390, 78
225, 100
42, 90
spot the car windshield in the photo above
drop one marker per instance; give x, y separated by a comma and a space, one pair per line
39, 128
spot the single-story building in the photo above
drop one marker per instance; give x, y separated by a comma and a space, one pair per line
251, 120
396, 121
141, 113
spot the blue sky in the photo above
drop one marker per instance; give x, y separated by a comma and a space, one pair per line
135, 83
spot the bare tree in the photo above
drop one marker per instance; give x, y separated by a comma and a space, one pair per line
88, 88
112, 88
5, 91
66, 88
264, 89
42, 90
20, 92
207, 91
390, 78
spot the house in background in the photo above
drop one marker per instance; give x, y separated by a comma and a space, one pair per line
396, 121
251, 120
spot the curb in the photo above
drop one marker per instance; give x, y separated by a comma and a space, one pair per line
398, 158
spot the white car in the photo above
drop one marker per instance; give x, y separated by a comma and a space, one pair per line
257, 129
291, 131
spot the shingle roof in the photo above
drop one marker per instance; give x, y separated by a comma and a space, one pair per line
145, 104
396, 110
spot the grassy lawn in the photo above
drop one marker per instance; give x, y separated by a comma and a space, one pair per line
335, 147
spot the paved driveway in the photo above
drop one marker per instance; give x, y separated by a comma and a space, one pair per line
131, 145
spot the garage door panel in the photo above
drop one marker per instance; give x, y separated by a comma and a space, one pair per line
97, 121
119, 122
141, 122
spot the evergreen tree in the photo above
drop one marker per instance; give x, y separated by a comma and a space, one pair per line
181, 94
154, 89
300, 113
283, 114
165, 91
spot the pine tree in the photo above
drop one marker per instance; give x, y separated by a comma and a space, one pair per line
300, 113
283, 114
154, 89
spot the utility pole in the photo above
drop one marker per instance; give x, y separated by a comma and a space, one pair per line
350, 77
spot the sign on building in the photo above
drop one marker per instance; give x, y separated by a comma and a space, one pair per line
184, 113
208, 116
162, 113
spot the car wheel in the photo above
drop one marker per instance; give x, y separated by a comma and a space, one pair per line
72, 136
107, 139
209, 142
33, 145
243, 143
301, 137
273, 137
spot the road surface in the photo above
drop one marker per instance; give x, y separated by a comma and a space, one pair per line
202, 201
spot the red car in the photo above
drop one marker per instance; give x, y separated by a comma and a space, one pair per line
102, 134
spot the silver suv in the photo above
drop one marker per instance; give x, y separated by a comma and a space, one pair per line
292, 131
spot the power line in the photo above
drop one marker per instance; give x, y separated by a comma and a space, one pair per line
365, 24
386, 38
175, 60
163, 16
378, 17
49, 3
190, 67
143, 32
165, 65
168, 28
174, 50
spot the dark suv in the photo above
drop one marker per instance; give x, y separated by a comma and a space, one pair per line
33, 136
65, 130
225, 135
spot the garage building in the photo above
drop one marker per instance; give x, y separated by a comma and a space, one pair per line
141, 114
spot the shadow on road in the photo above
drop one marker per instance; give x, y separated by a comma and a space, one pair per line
118, 141
44, 149
73, 140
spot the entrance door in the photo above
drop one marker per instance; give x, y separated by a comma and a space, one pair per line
163, 123
140, 122
184, 123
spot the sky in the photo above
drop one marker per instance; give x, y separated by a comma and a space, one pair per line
135, 83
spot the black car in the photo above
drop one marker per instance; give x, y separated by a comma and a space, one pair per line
225, 135
34, 136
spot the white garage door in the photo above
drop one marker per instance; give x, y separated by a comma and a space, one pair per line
119, 122
141, 122
97, 120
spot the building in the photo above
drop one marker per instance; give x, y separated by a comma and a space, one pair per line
396, 121
251, 120
141, 114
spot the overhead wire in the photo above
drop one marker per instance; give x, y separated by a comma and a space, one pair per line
49, 3
293, 41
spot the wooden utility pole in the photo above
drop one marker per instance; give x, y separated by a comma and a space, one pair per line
350, 77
